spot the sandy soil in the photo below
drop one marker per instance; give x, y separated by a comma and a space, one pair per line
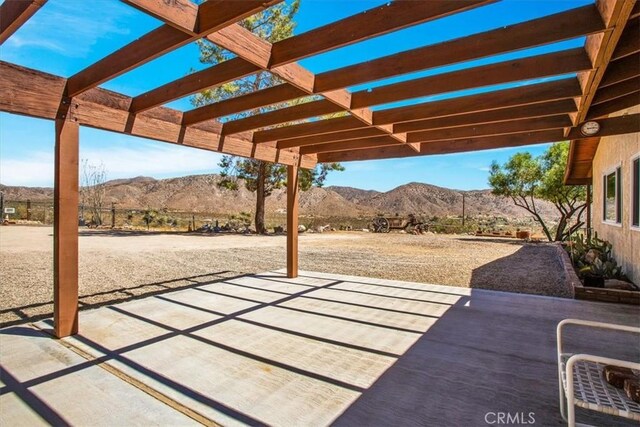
115, 266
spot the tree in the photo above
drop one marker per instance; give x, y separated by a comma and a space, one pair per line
272, 24
148, 216
524, 179
92, 190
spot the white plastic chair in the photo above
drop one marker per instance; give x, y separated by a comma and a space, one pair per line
582, 383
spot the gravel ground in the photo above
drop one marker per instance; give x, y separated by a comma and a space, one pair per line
116, 266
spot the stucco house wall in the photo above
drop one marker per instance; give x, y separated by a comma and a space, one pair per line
613, 152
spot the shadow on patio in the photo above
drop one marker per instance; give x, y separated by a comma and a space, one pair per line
315, 350
43, 310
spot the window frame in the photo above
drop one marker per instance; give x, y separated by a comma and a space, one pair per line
635, 193
617, 170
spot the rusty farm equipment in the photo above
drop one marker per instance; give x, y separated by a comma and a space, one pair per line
384, 224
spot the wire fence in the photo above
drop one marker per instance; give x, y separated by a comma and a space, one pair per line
113, 216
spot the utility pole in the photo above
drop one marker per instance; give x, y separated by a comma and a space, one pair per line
28, 209
113, 214
463, 208
1, 205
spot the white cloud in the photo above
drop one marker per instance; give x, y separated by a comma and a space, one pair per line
34, 171
72, 28
120, 162
152, 160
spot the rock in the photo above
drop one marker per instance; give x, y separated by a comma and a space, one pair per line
365, 230
618, 284
592, 255
302, 228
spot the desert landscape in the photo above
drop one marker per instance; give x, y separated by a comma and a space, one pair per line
177, 201
178, 247
122, 265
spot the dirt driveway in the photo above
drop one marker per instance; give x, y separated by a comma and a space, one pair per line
116, 266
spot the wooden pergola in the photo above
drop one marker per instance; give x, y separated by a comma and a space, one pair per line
546, 111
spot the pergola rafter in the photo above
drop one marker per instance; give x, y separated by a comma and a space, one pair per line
224, 72
211, 16
14, 13
618, 89
554, 28
542, 98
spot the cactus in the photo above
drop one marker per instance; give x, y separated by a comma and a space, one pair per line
593, 256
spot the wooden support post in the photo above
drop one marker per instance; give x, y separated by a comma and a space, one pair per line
65, 229
588, 211
292, 222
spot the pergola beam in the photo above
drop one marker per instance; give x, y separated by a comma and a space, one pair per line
180, 14
345, 135
520, 112
556, 63
619, 90
515, 127
629, 123
283, 115
257, 51
535, 93
629, 42
212, 16
306, 129
617, 104
552, 64
600, 47
14, 13
36, 94
370, 23
492, 129
347, 127
544, 30
610, 126
269, 96
531, 94
442, 147
621, 70
356, 144
216, 75
553, 28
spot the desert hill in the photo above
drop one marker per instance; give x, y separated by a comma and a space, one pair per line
200, 193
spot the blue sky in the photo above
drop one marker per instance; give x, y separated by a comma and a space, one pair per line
102, 26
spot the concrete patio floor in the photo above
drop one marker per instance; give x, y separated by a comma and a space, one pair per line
317, 350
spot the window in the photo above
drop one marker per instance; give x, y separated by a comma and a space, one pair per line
635, 192
612, 197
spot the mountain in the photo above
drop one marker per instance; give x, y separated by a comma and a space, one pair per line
200, 193
431, 200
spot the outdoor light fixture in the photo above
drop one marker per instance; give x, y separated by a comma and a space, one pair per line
590, 128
